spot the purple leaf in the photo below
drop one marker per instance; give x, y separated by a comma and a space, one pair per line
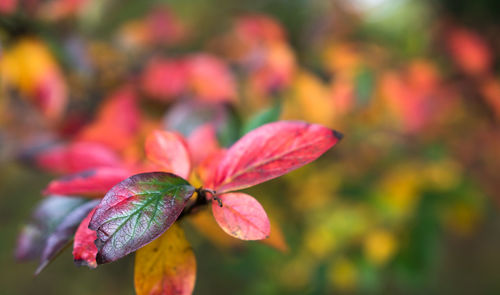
63, 233
48, 214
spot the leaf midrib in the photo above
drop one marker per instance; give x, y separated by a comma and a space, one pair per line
257, 164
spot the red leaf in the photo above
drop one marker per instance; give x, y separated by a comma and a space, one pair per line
118, 121
94, 182
271, 151
210, 78
164, 79
170, 151
202, 143
470, 51
242, 217
77, 157
84, 249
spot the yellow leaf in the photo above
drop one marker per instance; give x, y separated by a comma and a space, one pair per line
166, 266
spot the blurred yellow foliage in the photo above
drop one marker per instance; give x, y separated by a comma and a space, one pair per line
29, 67
343, 274
320, 241
297, 272
379, 246
399, 191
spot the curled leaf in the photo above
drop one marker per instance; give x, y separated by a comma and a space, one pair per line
166, 266
169, 151
95, 182
136, 211
271, 151
242, 217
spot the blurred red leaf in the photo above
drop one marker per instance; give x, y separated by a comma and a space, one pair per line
202, 143
210, 78
271, 151
94, 183
117, 122
77, 157
469, 51
241, 216
8, 6
257, 28
84, 249
164, 27
169, 151
164, 79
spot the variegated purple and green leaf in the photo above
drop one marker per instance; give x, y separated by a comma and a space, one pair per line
136, 211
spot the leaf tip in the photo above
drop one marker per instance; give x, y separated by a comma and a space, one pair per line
337, 134
40, 268
83, 262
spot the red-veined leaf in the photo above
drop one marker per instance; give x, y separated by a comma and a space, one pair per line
169, 151
95, 182
136, 211
76, 157
166, 266
271, 151
242, 217
63, 233
84, 249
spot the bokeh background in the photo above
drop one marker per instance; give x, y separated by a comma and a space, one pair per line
407, 203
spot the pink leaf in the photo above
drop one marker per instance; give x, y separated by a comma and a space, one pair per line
84, 249
271, 151
94, 182
169, 150
242, 217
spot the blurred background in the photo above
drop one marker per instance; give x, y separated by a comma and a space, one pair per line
406, 203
